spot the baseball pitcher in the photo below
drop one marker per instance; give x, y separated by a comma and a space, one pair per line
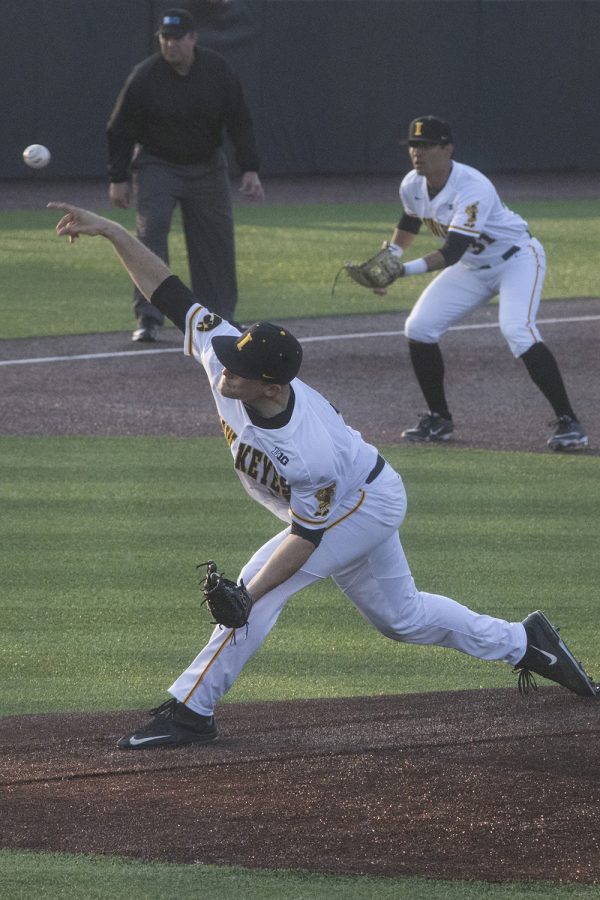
339, 502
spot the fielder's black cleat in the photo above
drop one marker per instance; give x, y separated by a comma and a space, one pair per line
569, 434
173, 725
431, 427
547, 655
147, 332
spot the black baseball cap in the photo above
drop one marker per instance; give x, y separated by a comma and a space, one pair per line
176, 23
429, 130
263, 351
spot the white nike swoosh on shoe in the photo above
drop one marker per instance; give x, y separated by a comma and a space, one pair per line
552, 659
135, 742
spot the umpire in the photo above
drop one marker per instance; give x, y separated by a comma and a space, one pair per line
167, 129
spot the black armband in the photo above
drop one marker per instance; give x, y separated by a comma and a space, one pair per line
314, 536
455, 246
173, 299
408, 223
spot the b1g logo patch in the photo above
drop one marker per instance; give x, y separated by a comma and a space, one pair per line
279, 454
325, 497
210, 321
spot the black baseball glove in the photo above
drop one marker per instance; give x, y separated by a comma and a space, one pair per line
228, 602
377, 272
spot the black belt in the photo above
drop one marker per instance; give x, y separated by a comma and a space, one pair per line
375, 470
510, 252
505, 256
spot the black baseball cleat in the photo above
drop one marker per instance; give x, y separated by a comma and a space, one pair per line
548, 655
569, 434
431, 427
173, 725
147, 332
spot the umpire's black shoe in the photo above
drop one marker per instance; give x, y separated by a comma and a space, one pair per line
547, 655
431, 427
569, 434
147, 332
173, 725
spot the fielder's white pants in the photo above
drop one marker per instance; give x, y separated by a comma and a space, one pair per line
457, 290
364, 556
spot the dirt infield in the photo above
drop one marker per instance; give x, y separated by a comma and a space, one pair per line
474, 785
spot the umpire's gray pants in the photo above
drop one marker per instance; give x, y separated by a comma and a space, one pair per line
203, 193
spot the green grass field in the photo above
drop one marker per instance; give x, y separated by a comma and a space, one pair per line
88, 623
83, 541
287, 260
100, 607
54, 877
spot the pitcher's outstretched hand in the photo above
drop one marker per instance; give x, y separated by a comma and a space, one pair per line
78, 221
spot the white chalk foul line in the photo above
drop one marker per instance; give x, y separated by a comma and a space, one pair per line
350, 336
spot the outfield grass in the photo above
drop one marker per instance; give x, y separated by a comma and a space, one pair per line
101, 612
56, 877
63, 877
100, 592
287, 259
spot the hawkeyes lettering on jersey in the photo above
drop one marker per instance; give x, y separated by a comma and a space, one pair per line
254, 463
436, 228
228, 431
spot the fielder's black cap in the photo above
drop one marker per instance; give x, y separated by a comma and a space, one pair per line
429, 130
263, 351
176, 23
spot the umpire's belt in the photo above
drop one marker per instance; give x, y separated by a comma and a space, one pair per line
376, 469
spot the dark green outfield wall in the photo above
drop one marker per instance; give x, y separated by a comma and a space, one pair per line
330, 82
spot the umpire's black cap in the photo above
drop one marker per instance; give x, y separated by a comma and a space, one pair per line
429, 130
175, 23
264, 351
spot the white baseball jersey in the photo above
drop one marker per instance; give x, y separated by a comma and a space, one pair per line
311, 469
468, 204
308, 470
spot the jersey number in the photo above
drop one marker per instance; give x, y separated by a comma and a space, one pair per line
479, 246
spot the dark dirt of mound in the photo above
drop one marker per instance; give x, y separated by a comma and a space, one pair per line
471, 785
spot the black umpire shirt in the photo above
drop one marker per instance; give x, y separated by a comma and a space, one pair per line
181, 118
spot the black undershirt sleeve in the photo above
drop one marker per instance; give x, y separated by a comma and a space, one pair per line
408, 223
173, 299
308, 533
456, 244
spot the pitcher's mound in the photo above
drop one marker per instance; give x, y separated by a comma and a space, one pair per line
474, 785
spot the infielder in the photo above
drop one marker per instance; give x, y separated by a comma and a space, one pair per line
486, 250
340, 503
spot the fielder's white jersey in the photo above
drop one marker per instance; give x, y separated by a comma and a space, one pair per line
309, 470
469, 205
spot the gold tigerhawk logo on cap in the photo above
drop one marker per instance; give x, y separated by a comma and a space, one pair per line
418, 129
243, 341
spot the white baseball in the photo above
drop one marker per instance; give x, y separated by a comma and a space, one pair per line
36, 156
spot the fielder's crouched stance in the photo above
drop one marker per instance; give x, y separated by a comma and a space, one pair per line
340, 502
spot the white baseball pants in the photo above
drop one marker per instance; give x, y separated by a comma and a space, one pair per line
364, 556
457, 290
